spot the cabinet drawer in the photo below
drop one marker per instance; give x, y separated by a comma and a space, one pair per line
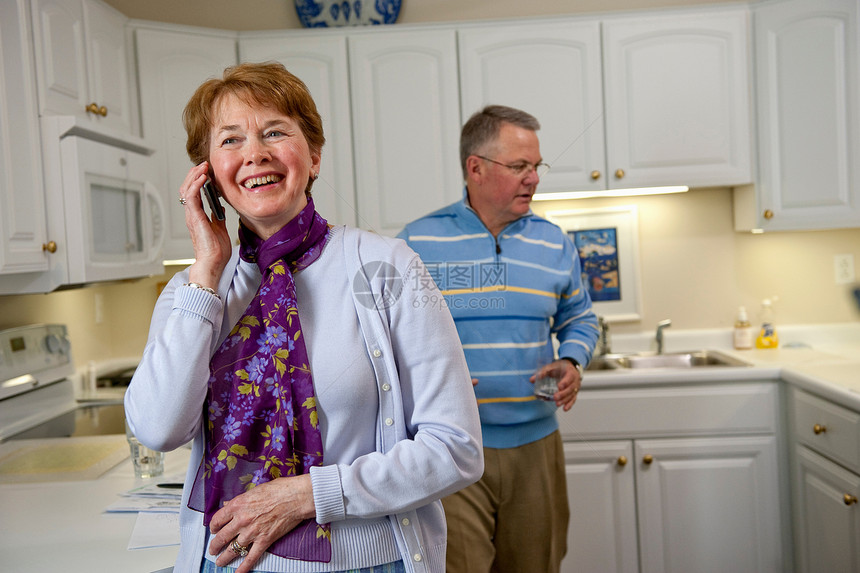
827, 428
743, 408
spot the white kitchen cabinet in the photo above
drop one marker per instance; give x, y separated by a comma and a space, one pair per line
666, 478
321, 63
808, 91
82, 63
23, 231
826, 484
552, 71
601, 534
708, 504
828, 521
103, 214
406, 120
172, 63
677, 91
663, 100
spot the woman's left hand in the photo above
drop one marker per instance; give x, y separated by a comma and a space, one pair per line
259, 517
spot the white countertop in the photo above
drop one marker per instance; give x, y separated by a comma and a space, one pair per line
61, 526
833, 373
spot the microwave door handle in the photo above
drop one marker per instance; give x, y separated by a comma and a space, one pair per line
155, 223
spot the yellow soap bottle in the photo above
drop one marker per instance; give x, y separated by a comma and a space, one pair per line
767, 336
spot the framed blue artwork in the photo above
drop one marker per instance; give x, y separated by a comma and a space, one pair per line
607, 241
598, 256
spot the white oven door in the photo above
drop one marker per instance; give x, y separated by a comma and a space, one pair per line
113, 214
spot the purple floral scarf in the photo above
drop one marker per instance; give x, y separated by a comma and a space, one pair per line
261, 417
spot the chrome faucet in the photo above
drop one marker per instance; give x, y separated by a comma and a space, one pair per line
604, 345
663, 324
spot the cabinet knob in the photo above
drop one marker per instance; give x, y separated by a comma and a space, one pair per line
768, 214
595, 175
819, 429
622, 461
849, 499
50, 247
619, 173
647, 459
96, 109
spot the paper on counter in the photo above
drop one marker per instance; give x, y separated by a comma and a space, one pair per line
154, 530
152, 490
149, 498
150, 504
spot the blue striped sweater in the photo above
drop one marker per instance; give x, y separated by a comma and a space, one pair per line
507, 294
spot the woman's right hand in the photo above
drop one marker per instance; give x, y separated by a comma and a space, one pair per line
209, 236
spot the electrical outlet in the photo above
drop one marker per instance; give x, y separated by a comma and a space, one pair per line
843, 266
99, 304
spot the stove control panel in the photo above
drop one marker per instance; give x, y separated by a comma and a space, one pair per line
33, 356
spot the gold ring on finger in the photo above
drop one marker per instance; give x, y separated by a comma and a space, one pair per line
240, 550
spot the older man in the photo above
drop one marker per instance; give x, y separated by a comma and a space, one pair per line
511, 279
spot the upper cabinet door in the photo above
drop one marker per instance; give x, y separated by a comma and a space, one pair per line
172, 64
321, 63
809, 114
677, 99
553, 72
81, 61
22, 193
108, 65
407, 125
58, 27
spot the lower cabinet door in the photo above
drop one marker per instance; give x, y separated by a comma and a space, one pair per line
708, 505
827, 516
600, 489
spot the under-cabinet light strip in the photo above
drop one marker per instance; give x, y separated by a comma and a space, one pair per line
610, 193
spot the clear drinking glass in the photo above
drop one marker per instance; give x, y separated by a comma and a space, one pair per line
147, 462
546, 383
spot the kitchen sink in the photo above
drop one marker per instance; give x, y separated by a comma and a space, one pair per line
650, 360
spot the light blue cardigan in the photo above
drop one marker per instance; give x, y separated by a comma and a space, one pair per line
398, 414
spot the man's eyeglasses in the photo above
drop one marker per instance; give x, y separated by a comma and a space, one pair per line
521, 167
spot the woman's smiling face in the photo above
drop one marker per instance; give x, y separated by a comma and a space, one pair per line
262, 163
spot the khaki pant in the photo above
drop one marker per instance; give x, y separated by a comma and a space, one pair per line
514, 520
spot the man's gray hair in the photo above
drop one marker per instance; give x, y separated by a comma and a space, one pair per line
482, 129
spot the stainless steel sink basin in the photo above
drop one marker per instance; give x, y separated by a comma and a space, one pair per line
650, 360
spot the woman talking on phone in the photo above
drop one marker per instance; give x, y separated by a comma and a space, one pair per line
329, 408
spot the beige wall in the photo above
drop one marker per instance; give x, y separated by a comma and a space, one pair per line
281, 14
126, 311
696, 270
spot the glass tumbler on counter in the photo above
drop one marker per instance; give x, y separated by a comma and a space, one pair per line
147, 462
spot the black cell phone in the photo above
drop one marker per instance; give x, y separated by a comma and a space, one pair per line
214, 203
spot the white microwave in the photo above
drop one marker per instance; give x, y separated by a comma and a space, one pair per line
112, 217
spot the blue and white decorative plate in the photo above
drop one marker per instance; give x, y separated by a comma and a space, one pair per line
333, 13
